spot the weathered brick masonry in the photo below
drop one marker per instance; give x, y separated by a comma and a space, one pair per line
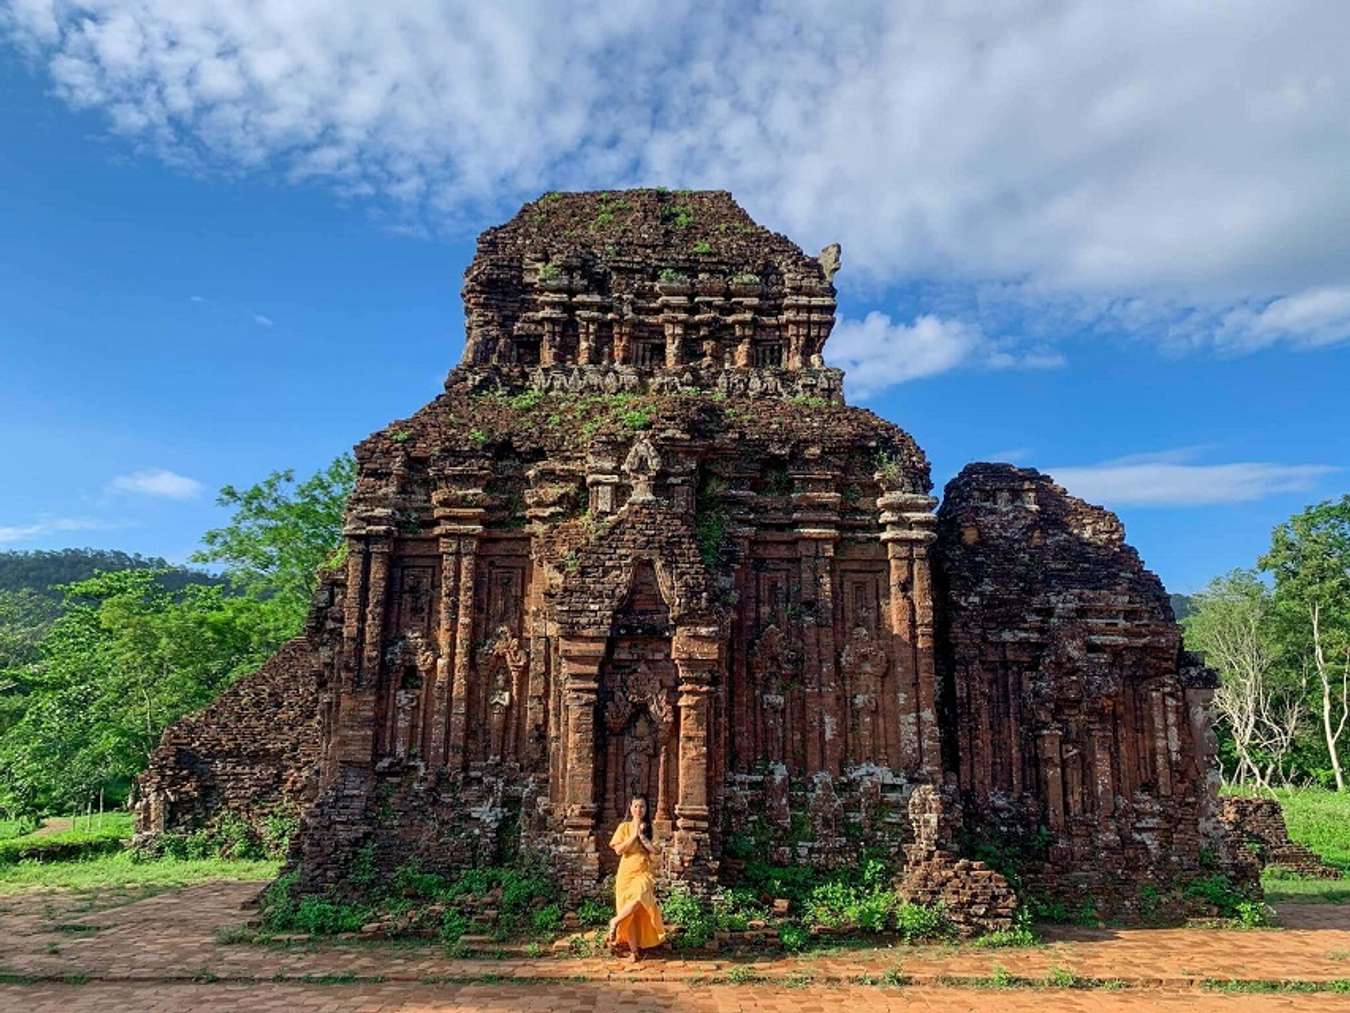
1258, 825
640, 546
252, 753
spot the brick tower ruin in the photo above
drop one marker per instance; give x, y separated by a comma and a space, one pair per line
640, 546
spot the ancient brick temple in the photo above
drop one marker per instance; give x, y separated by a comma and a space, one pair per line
640, 546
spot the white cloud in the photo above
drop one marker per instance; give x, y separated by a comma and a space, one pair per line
1152, 167
157, 482
1166, 479
877, 352
48, 526
263, 321
196, 298
1312, 318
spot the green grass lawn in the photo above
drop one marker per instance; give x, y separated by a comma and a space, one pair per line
66, 839
15, 828
1319, 820
122, 869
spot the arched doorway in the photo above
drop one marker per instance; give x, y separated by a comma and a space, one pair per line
637, 745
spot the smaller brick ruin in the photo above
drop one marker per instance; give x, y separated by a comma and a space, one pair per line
1258, 826
641, 546
251, 753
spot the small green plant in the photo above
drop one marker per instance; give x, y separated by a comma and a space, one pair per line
453, 925
525, 401
547, 920
693, 917
670, 276
549, 271
916, 922
809, 401
233, 935
745, 278
477, 437
893, 977
677, 215
1218, 891
594, 912
743, 974
402, 436
703, 246
1059, 977
794, 937
363, 872
1253, 914
636, 419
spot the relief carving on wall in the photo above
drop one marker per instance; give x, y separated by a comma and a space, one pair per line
640, 720
864, 664
502, 663
771, 665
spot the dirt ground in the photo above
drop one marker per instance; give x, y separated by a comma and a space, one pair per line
116, 951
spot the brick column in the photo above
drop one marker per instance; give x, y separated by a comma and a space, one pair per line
909, 531
458, 527
581, 658
696, 652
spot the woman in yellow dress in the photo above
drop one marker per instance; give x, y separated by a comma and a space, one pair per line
637, 919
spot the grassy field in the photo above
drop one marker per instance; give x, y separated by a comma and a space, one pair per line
1321, 821
98, 862
122, 869
15, 828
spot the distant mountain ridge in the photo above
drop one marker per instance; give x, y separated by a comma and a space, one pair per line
43, 570
1182, 605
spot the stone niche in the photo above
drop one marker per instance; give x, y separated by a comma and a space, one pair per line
641, 546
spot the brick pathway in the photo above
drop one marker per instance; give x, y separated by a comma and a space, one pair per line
144, 955
566, 998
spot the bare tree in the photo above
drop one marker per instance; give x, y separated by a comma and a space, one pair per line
1231, 626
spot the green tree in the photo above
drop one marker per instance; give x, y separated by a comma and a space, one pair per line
1310, 559
25, 617
282, 534
126, 658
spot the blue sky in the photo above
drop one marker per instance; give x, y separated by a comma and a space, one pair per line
1152, 306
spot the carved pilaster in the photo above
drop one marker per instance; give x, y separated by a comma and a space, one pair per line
908, 532
581, 658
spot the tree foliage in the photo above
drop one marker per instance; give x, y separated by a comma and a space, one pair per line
124, 659
282, 533
87, 685
1309, 558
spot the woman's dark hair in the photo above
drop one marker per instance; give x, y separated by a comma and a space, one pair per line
646, 823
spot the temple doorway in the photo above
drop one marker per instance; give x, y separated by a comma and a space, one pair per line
638, 731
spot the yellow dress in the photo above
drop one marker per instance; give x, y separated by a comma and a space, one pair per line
643, 928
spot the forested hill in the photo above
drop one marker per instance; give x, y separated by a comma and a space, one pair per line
1182, 606
43, 570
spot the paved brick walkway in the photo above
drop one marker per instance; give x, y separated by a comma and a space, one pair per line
145, 954
152, 998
